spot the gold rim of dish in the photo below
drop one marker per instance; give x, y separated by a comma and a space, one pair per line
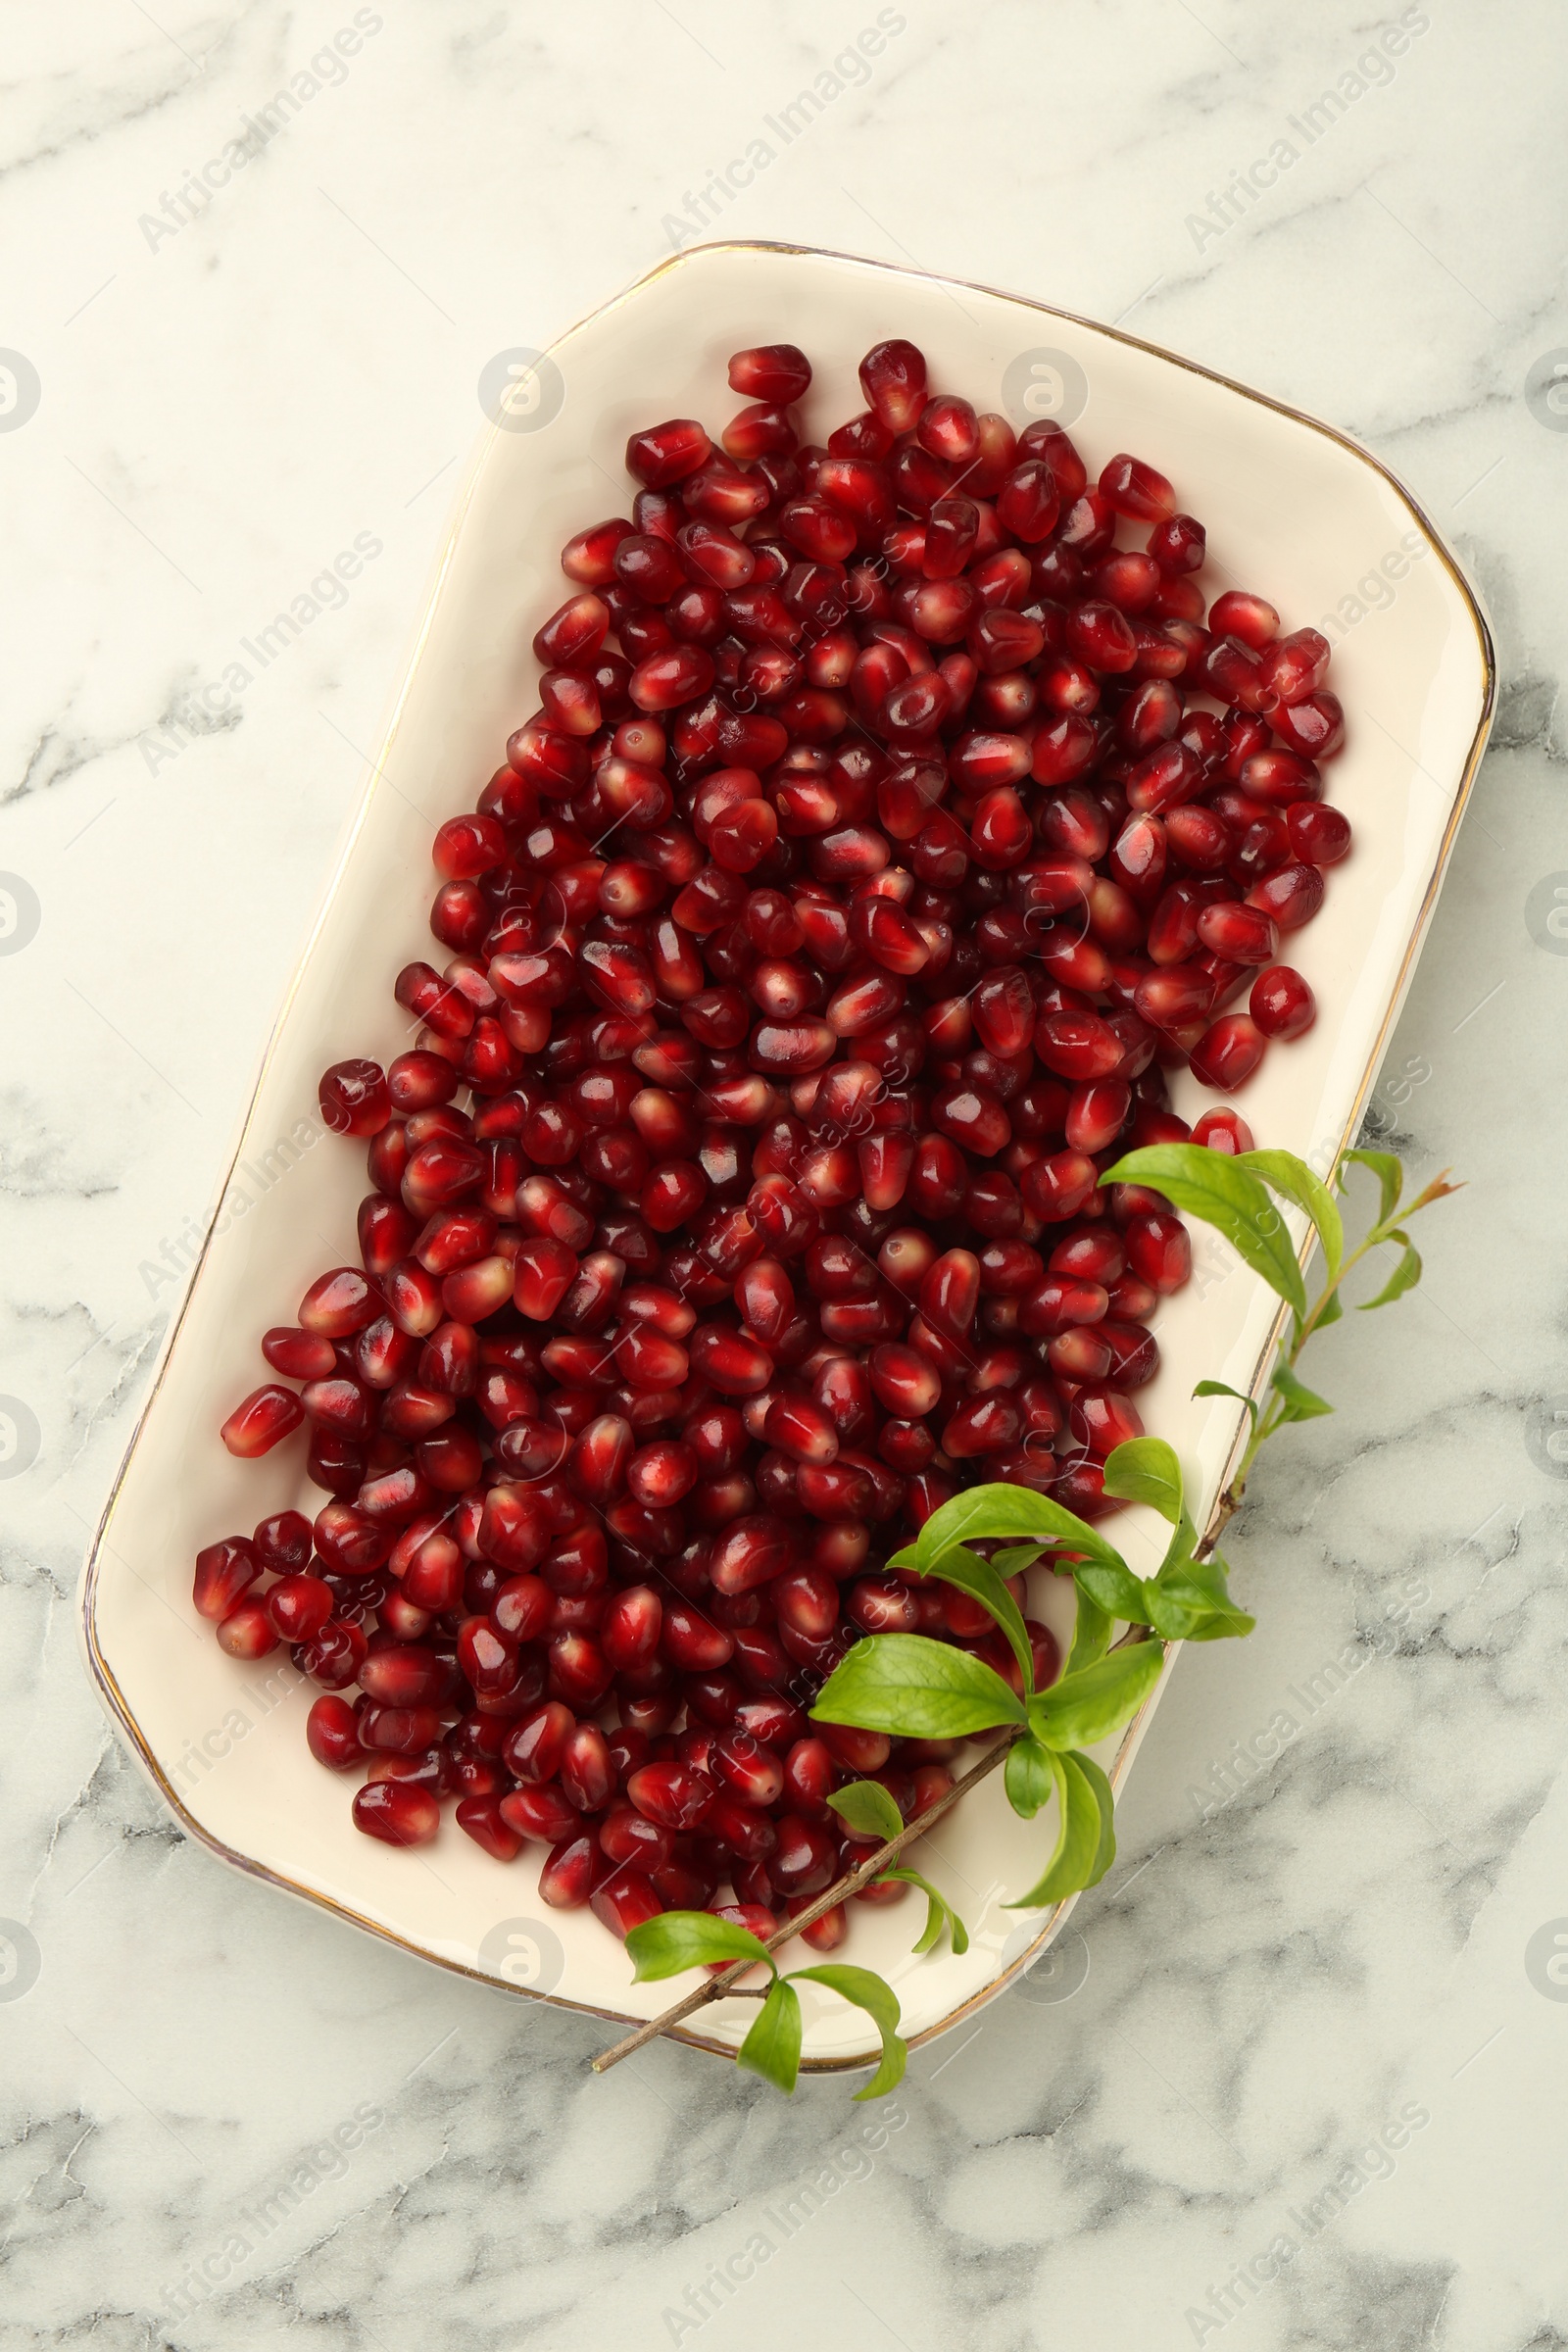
99, 1669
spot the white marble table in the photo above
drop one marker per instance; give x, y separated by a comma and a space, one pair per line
1301, 2079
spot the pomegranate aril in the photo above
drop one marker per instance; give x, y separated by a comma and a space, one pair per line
1314, 726
354, 1098
1228, 1053
1239, 614
397, 1812
567, 1877
334, 1657
805, 1857
540, 1811
1241, 934
1134, 488
1296, 665
893, 377
224, 1574
298, 1608
1281, 1003
267, 1416
1318, 835
776, 372
1288, 897
667, 453
332, 1733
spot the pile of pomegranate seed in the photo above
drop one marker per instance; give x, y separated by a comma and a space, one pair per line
809, 959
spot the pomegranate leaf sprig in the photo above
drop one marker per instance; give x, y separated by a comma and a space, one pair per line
1232, 1194
910, 1686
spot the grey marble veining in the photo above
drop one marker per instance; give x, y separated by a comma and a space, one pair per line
1298, 2073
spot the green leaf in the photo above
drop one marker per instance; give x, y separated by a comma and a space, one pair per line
1193, 1603
680, 1939
1092, 1634
1114, 1591
939, 1913
1146, 1470
1015, 1560
1028, 1775
1106, 1803
982, 1580
1080, 1837
881, 2004
1221, 1388
1182, 1545
1406, 1274
1300, 1404
1217, 1188
1285, 1173
867, 1807
772, 2047
914, 1689
1389, 1170
1003, 1510
1330, 1312
1098, 1699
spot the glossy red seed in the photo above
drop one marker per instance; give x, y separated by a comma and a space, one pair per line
397, 1812
893, 377
1281, 1003
1288, 897
266, 1417
299, 1354
1224, 1131
1159, 1251
332, 1734
541, 1811
805, 1857
1134, 488
1228, 1053
567, 1877
298, 1608
1241, 934
224, 1574
774, 371
625, 1900
667, 453
1318, 834
1314, 726
354, 1098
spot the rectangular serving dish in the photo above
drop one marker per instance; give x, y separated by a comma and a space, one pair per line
1293, 509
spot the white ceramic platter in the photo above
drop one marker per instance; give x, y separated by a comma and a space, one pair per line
1293, 510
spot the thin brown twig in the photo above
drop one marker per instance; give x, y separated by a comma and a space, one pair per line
851, 1884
